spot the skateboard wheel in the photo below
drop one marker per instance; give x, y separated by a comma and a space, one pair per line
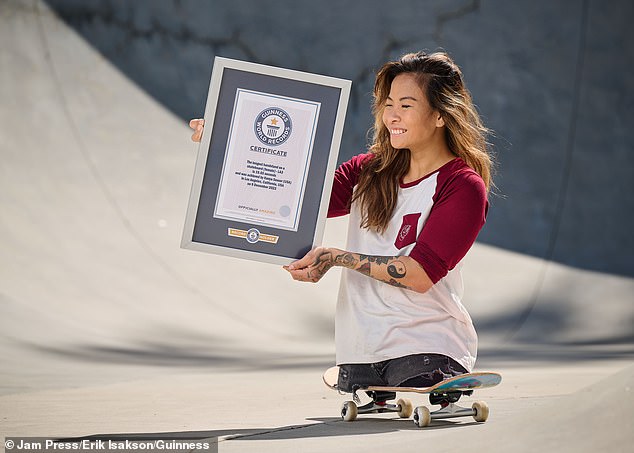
404, 408
349, 411
481, 411
422, 416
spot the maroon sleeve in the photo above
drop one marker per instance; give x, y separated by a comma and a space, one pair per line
346, 177
458, 214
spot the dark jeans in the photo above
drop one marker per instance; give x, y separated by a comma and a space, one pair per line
418, 370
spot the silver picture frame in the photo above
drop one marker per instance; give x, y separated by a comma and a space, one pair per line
265, 164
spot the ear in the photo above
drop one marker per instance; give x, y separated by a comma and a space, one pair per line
440, 122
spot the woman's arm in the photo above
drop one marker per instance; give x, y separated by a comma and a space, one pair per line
399, 271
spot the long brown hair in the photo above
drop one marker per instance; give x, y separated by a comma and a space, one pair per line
441, 80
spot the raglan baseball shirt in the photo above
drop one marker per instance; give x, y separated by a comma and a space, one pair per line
436, 221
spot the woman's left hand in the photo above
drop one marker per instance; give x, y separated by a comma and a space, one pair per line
313, 266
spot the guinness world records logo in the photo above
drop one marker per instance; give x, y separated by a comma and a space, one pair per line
273, 126
253, 236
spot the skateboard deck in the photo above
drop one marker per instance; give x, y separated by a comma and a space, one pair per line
446, 393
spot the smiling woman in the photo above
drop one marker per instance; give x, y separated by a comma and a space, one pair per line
416, 202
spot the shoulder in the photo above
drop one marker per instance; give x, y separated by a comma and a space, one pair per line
457, 177
353, 167
457, 172
356, 163
346, 178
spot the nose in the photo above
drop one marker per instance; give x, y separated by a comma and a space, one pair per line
390, 116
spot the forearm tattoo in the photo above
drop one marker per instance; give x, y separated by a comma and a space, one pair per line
320, 266
393, 265
396, 269
346, 260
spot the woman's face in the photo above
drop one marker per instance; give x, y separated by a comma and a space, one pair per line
409, 118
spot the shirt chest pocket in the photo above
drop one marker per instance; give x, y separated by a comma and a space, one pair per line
407, 232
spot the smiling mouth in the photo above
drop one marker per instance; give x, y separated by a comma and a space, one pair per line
397, 131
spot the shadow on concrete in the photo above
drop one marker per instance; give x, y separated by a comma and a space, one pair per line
551, 335
163, 355
325, 427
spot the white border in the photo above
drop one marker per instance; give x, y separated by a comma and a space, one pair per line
263, 222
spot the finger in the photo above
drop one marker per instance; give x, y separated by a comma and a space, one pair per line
289, 270
198, 135
296, 275
196, 122
303, 276
307, 260
301, 263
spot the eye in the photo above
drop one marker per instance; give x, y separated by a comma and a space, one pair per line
405, 106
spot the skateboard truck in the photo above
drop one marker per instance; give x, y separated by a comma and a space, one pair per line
350, 410
449, 409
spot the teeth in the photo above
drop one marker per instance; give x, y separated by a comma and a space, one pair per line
397, 131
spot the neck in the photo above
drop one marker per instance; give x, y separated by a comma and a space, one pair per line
425, 161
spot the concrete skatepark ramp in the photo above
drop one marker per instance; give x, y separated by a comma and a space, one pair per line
98, 301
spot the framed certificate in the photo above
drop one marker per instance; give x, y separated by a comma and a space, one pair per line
265, 163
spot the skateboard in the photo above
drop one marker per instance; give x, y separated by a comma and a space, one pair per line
445, 393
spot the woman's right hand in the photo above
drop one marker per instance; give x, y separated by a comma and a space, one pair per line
313, 266
197, 125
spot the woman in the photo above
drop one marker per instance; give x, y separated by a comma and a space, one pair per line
416, 202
